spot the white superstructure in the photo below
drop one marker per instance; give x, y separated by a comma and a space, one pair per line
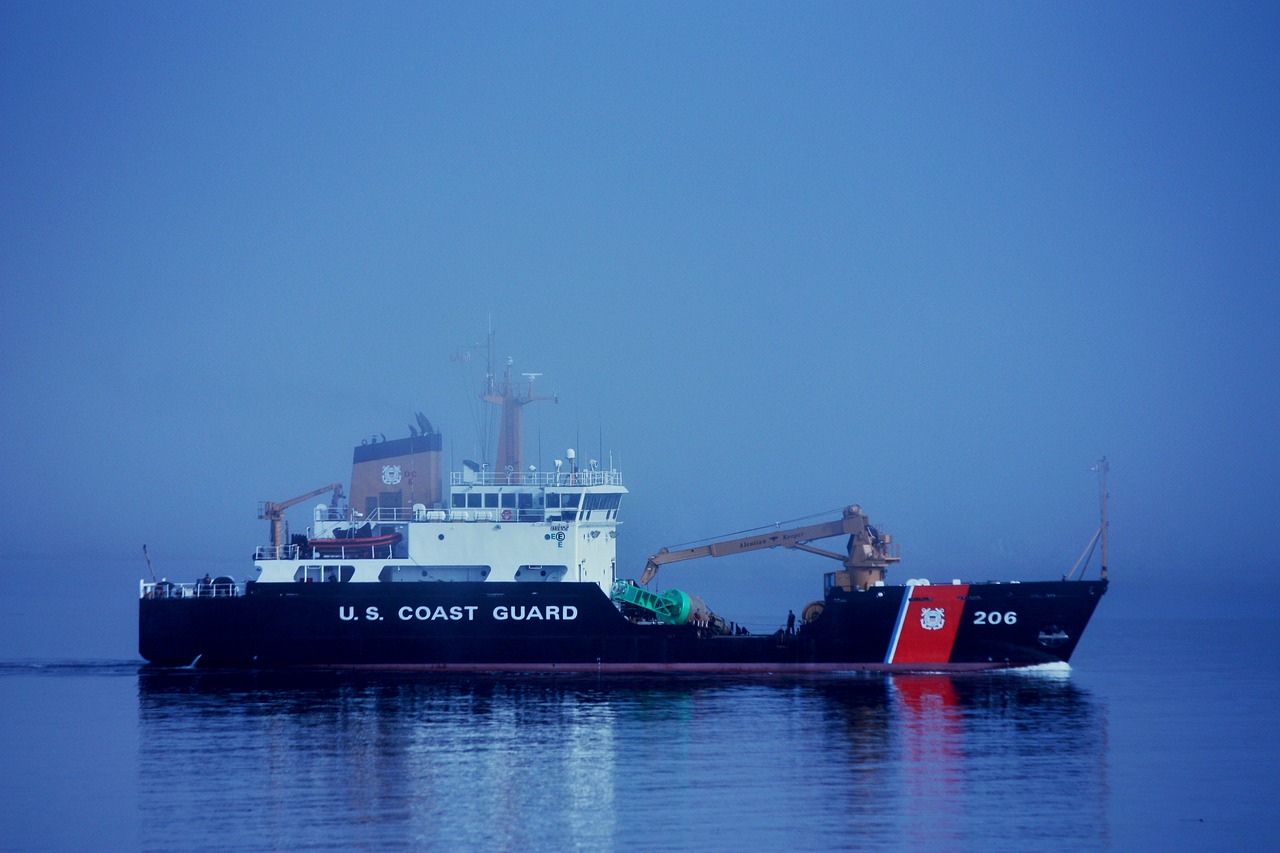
495, 527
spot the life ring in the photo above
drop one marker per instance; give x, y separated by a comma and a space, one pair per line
506, 515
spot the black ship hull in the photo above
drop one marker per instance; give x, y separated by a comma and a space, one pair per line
574, 627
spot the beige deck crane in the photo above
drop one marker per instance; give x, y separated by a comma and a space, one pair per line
868, 551
274, 512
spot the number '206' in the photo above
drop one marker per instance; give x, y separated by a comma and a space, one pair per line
995, 617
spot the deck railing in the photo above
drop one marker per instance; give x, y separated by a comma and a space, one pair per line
276, 552
386, 514
168, 589
536, 478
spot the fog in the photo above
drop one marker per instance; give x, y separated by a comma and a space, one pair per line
935, 261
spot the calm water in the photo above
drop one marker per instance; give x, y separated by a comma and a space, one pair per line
1161, 737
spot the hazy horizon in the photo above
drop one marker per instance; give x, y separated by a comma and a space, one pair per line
933, 260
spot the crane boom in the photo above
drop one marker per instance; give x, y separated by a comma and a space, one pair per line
867, 553
274, 512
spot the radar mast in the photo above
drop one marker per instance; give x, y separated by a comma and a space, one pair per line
512, 396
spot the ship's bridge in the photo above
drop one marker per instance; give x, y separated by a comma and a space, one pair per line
488, 496
535, 496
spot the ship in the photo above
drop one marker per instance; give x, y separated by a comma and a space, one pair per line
512, 569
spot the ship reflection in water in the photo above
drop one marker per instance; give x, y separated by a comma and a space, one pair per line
335, 759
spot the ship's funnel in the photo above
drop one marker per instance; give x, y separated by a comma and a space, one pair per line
397, 474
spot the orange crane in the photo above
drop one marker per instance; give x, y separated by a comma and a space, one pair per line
274, 512
867, 556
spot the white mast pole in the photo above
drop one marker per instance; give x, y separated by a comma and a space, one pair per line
1102, 487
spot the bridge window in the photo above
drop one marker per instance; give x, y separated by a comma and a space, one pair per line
595, 501
509, 500
491, 500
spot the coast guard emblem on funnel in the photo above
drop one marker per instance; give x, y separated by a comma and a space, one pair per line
932, 618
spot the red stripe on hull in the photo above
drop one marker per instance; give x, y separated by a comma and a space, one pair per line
930, 623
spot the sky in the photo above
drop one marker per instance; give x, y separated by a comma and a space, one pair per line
935, 259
